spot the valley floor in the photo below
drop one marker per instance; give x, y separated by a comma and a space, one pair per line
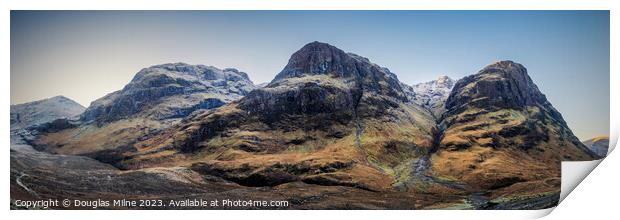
37, 176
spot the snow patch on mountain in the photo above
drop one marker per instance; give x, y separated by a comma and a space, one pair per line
432, 95
43, 111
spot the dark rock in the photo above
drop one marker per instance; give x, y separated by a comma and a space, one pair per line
326, 180
318, 58
502, 85
505, 182
114, 157
56, 125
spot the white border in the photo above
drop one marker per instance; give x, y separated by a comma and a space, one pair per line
605, 172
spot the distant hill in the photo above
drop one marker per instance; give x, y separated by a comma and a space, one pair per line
598, 144
42, 111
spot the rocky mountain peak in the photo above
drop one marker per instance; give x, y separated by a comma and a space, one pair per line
171, 90
60, 98
432, 95
321, 59
318, 58
43, 111
242, 74
503, 94
444, 82
503, 84
199, 71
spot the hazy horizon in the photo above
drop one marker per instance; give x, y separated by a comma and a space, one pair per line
84, 55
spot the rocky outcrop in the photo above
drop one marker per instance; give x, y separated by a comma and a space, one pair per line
170, 91
502, 85
358, 72
43, 111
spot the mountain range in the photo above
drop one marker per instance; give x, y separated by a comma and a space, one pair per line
333, 123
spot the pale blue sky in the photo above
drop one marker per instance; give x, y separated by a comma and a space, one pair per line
87, 54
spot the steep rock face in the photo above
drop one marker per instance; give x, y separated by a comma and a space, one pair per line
501, 85
320, 78
500, 130
170, 91
43, 111
432, 95
323, 59
599, 145
328, 118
